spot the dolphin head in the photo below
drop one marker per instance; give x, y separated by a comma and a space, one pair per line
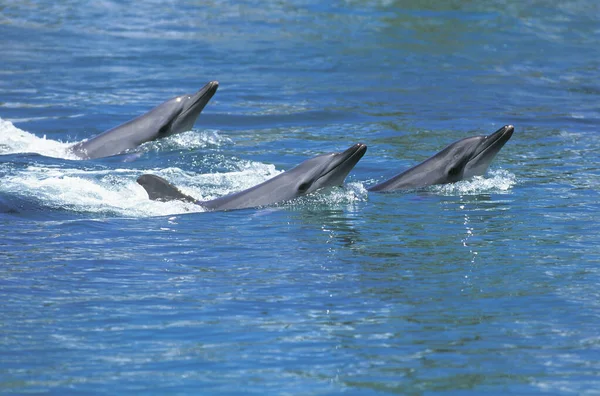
173, 116
464, 158
325, 170
480, 151
180, 113
461, 160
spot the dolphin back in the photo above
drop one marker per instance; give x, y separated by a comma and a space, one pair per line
159, 189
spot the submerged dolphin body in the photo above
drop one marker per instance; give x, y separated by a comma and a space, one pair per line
461, 160
322, 171
173, 116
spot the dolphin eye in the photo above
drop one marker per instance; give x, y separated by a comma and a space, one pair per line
163, 131
302, 188
454, 171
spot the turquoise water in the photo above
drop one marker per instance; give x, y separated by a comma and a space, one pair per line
488, 285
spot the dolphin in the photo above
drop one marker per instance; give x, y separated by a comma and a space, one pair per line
176, 115
322, 171
461, 160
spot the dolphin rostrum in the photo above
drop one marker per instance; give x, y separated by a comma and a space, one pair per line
173, 116
322, 171
461, 160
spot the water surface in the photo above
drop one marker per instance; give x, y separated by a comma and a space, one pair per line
487, 285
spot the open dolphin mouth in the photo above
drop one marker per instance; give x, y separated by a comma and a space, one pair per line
495, 141
348, 158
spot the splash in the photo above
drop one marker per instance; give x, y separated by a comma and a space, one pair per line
498, 181
103, 193
14, 140
115, 192
345, 196
190, 140
209, 186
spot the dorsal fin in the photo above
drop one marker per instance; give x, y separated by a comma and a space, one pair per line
159, 189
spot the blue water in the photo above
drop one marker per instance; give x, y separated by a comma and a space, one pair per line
487, 285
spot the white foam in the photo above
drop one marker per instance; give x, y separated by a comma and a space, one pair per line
189, 141
116, 192
250, 174
347, 195
14, 140
497, 181
89, 192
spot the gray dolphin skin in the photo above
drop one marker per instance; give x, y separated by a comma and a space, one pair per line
176, 115
461, 160
325, 170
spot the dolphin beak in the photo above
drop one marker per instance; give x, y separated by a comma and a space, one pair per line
201, 98
354, 153
192, 107
347, 159
501, 136
496, 140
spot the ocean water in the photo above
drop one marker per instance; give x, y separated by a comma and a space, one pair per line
487, 285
